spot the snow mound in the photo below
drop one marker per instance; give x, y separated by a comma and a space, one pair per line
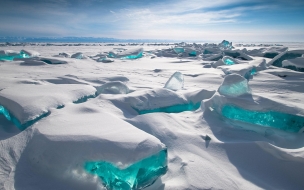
35, 101
66, 145
296, 64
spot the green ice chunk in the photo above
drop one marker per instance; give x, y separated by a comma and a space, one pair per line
178, 50
136, 176
139, 55
273, 119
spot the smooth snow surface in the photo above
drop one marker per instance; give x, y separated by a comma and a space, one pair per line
153, 117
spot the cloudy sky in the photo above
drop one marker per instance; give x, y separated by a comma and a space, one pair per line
197, 20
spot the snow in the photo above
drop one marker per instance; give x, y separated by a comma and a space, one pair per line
77, 112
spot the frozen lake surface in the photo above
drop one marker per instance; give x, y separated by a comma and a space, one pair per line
200, 116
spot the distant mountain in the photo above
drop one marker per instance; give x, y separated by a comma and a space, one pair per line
76, 40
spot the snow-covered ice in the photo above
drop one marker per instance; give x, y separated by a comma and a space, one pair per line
189, 116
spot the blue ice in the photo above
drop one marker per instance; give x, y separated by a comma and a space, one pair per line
234, 85
178, 50
136, 176
273, 119
172, 109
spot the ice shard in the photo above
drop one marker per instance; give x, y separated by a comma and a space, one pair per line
29, 53
178, 50
192, 53
234, 85
273, 119
115, 87
136, 176
225, 44
78, 55
229, 60
127, 54
175, 82
10, 55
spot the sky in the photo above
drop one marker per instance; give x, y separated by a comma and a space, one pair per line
185, 20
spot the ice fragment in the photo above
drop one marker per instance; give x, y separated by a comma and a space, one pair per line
175, 82
115, 87
136, 176
179, 50
234, 85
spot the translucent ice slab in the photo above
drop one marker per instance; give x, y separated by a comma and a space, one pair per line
127, 54
179, 50
136, 176
229, 60
175, 82
273, 119
115, 87
78, 55
225, 44
234, 85
9, 55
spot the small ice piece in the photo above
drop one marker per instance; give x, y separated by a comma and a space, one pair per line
115, 87
234, 85
229, 60
29, 53
175, 82
8, 55
78, 55
136, 176
128, 54
64, 54
105, 60
226, 44
192, 53
178, 50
